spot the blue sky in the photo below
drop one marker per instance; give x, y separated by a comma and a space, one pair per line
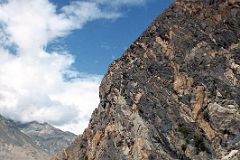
54, 53
100, 42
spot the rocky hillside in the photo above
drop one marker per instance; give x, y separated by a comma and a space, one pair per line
14, 145
174, 94
47, 137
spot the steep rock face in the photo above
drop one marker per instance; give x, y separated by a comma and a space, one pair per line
16, 145
174, 94
47, 137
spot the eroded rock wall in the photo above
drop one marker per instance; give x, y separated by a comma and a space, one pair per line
175, 93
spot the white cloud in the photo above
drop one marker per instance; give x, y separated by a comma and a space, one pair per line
33, 88
120, 3
36, 84
81, 12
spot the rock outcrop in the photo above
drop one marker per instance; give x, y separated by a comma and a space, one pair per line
47, 137
174, 94
14, 145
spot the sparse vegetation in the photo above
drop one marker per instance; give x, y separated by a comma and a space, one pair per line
184, 147
184, 130
206, 116
192, 138
81, 146
199, 143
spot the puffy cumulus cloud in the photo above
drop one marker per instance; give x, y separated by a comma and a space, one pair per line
40, 85
35, 88
32, 24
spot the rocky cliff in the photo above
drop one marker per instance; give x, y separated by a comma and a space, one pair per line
174, 94
14, 145
47, 137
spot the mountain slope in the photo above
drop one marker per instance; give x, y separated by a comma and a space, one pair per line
174, 94
16, 145
47, 137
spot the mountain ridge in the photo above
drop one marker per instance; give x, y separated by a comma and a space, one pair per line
49, 138
16, 145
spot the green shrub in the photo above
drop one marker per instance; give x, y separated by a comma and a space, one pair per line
206, 116
184, 130
199, 143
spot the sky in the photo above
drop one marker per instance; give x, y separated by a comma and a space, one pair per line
54, 53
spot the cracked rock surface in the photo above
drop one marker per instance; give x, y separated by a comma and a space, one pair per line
174, 94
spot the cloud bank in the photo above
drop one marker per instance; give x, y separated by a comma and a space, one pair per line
39, 85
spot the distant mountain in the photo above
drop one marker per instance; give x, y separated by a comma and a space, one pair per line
14, 145
47, 137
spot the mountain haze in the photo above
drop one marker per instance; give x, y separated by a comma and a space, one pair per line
47, 137
14, 145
